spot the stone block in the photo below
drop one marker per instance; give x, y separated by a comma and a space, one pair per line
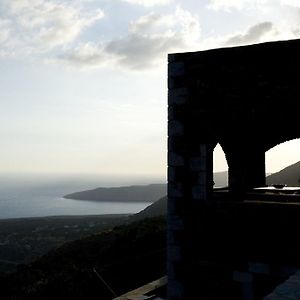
174, 253
203, 150
175, 290
176, 205
202, 178
171, 57
175, 237
198, 163
175, 159
242, 277
171, 83
199, 192
178, 96
171, 238
171, 113
176, 69
175, 190
172, 174
259, 268
176, 174
175, 128
175, 223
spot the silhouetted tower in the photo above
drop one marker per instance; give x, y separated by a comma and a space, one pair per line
246, 99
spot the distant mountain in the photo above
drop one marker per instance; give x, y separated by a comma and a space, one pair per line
289, 176
159, 208
156, 209
135, 193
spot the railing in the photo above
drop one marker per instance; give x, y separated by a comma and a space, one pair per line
145, 292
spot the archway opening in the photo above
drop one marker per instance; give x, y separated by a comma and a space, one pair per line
283, 164
220, 167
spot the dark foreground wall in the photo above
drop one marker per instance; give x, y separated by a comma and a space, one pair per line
243, 250
246, 99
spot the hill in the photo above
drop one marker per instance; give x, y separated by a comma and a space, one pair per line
125, 257
158, 208
289, 176
135, 193
23, 240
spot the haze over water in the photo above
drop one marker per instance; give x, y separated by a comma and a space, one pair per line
34, 195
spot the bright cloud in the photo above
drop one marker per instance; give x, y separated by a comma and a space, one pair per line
295, 3
146, 23
146, 45
236, 4
66, 26
148, 3
4, 31
43, 24
87, 56
54, 30
252, 35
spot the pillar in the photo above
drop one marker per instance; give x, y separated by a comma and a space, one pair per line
190, 183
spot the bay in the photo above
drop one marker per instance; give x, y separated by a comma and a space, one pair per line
56, 206
25, 196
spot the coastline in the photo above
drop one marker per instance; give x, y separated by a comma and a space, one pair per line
65, 217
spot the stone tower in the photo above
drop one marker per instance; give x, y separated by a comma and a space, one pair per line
245, 98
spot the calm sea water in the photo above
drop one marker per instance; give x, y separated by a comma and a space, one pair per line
42, 195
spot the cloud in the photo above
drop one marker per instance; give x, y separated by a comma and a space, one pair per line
65, 25
294, 3
4, 30
146, 45
152, 21
236, 4
141, 52
148, 3
258, 33
6, 41
252, 35
44, 24
86, 56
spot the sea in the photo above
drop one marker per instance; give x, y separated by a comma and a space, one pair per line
39, 195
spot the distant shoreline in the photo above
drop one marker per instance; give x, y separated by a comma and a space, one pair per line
66, 217
124, 194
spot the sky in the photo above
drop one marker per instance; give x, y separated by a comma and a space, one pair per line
83, 83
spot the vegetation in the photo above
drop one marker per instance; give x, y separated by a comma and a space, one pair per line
135, 193
23, 240
126, 257
87, 253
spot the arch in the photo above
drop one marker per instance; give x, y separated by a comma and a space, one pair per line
284, 157
220, 167
280, 140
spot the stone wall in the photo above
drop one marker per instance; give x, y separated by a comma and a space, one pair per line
244, 98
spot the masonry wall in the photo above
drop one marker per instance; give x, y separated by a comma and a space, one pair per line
244, 98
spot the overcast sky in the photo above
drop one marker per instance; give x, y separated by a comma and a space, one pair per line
83, 83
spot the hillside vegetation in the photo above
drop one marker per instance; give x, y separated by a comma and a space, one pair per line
135, 193
126, 257
25, 239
